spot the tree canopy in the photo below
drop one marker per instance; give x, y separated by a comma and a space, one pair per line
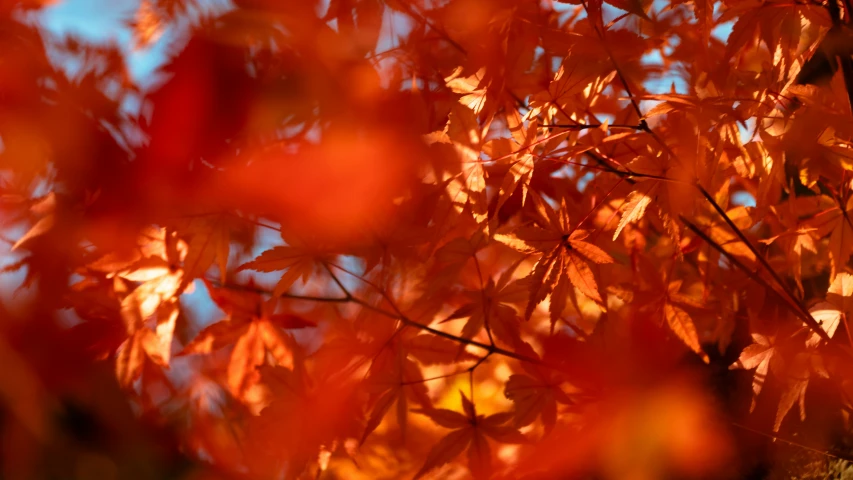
367, 239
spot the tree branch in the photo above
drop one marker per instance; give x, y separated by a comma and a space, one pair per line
764, 263
581, 126
793, 305
490, 349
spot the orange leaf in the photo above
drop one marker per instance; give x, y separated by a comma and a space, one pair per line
446, 450
633, 210
248, 354
581, 277
432, 350
682, 325
290, 321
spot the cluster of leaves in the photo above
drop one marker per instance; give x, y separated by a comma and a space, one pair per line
411, 238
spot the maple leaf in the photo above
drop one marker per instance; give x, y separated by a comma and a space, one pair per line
574, 76
471, 89
778, 28
466, 135
682, 325
673, 197
208, 243
299, 262
840, 293
795, 244
150, 311
532, 398
722, 235
254, 330
566, 257
519, 175
632, 210
535, 393
132, 354
679, 320
492, 307
156, 295
304, 414
796, 382
402, 384
451, 258
757, 356
828, 316
394, 377
837, 224
470, 432
511, 154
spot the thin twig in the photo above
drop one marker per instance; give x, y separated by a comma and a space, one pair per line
778, 437
491, 349
804, 313
582, 126
792, 304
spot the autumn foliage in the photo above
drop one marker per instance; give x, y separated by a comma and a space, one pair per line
367, 239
